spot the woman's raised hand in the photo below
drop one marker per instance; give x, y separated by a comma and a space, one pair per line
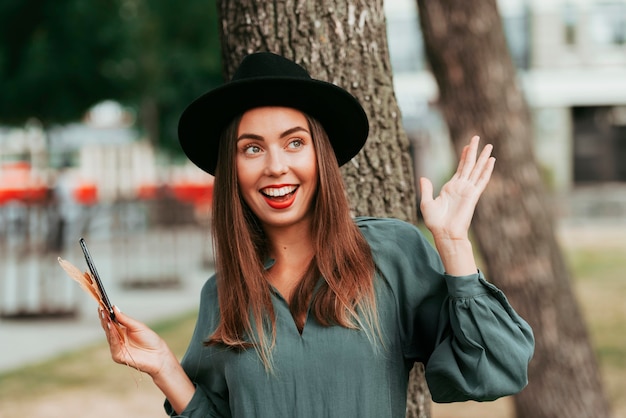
448, 216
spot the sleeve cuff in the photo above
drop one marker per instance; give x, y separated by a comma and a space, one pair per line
199, 406
468, 286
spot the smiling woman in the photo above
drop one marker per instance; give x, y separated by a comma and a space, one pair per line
311, 312
277, 167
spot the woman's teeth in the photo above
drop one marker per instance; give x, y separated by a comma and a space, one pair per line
278, 192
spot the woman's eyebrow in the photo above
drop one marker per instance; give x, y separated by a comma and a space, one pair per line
250, 136
292, 130
256, 137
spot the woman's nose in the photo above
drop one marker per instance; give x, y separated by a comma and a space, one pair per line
276, 163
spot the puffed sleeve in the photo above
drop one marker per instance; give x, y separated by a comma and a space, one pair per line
483, 346
473, 344
202, 404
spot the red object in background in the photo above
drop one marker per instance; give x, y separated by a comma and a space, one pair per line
17, 183
195, 193
147, 191
86, 193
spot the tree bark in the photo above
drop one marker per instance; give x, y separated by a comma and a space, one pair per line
343, 42
513, 224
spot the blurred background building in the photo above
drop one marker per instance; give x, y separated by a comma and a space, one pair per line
571, 61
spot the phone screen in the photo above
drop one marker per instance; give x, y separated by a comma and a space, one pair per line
96, 276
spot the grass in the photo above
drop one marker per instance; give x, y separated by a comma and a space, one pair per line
85, 382
601, 291
89, 368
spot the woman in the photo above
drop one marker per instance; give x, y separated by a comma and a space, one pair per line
312, 313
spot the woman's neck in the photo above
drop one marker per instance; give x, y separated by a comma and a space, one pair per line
292, 251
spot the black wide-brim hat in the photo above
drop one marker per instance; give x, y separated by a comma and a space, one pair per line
266, 79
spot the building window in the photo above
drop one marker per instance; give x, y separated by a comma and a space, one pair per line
570, 21
599, 144
517, 37
608, 23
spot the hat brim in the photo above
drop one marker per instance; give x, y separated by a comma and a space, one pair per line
202, 122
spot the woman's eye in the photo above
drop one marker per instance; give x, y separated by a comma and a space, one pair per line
296, 143
251, 149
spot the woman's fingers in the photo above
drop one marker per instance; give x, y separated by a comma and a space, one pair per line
461, 165
114, 337
483, 164
468, 157
426, 188
124, 319
485, 174
476, 170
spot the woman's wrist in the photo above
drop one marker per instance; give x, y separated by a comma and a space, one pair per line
457, 256
172, 380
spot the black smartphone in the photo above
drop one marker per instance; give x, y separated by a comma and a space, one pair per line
96, 276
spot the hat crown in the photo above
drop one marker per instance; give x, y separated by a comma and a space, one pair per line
268, 65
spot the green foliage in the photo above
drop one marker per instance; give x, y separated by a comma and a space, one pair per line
59, 57
178, 55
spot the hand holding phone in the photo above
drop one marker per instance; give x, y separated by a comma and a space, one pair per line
96, 277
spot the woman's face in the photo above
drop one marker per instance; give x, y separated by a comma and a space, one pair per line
276, 165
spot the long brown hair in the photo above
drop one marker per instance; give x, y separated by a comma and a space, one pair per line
342, 257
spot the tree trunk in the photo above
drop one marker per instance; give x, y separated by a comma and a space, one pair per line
513, 225
343, 42
150, 119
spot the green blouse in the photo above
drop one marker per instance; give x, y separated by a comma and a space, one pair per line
472, 342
